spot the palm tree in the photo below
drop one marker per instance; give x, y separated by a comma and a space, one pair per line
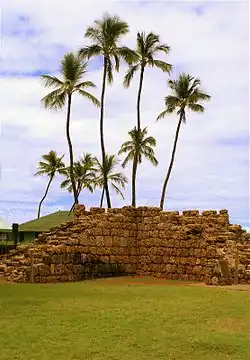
73, 71
186, 94
105, 35
84, 175
51, 165
138, 147
147, 47
115, 179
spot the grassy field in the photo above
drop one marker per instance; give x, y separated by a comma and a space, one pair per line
108, 320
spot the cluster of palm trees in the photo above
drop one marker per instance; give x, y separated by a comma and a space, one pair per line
88, 174
105, 36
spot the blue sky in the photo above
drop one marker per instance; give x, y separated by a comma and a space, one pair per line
208, 39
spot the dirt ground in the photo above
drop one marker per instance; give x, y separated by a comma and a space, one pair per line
147, 280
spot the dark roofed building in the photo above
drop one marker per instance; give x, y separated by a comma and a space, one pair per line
30, 230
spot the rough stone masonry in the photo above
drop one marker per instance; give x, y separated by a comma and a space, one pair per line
143, 241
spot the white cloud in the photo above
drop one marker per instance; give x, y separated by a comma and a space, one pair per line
213, 46
247, 229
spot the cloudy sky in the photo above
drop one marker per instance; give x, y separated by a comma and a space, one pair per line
208, 39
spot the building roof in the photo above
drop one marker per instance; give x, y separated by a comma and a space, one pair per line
4, 226
45, 223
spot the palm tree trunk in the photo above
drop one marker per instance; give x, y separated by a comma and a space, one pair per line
139, 99
72, 208
101, 203
44, 196
71, 158
78, 193
101, 131
164, 188
134, 170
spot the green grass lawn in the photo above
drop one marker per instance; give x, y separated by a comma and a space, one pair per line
103, 320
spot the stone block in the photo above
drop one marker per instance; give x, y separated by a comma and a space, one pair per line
234, 228
209, 213
96, 210
192, 213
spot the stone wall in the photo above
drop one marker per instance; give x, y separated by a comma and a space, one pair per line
190, 246
142, 241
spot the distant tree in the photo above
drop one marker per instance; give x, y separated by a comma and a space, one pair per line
186, 94
73, 71
117, 180
144, 55
105, 35
51, 165
138, 147
84, 175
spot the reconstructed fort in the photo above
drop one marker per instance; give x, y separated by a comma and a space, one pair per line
136, 241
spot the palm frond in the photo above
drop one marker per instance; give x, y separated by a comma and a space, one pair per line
119, 178
162, 114
109, 71
89, 186
149, 141
117, 190
62, 171
65, 183
165, 67
44, 167
117, 62
113, 27
198, 95
128, 158
150, 42
55, 100
151, 158
70, 65
140, 43
127, 143
89, 96
85, 84
126, 148
88, 52
41, 172
130, 74
172, 84
128, 55
50, 157
50, 81
172, 101
194, 84
163, 47
110, 163
93, 32
196, 107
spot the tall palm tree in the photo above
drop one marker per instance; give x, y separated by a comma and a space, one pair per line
105, 35
186, 94
115, 179
84, 175
144, 55
138, 147
50, 165
73, 71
